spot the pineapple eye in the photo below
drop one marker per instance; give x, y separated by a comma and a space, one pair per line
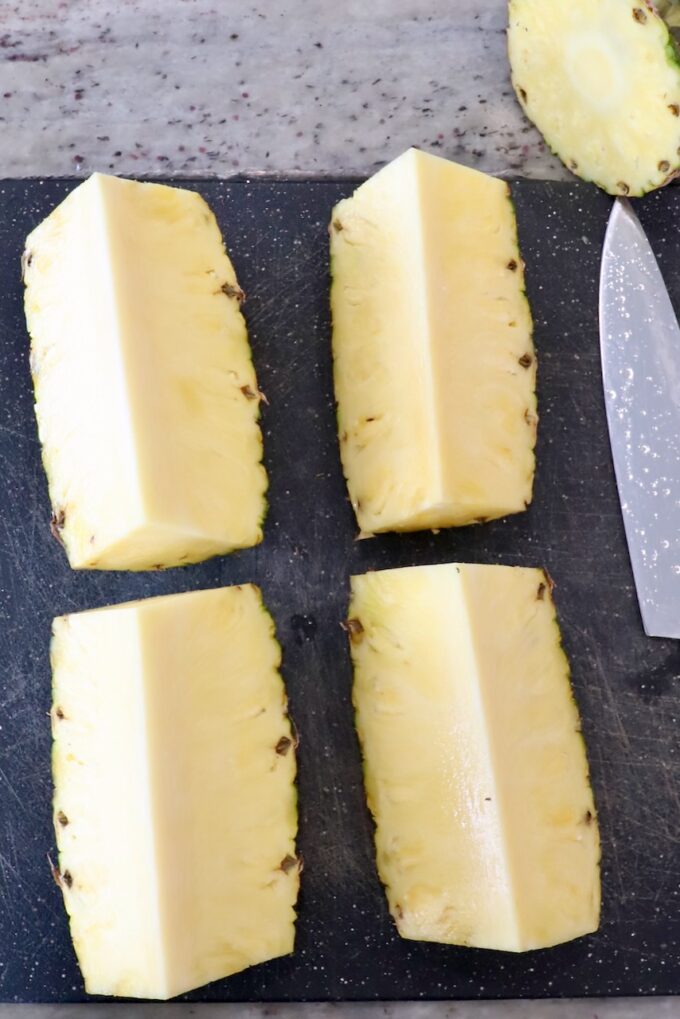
283, 746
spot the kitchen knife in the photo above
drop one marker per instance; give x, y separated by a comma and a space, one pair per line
640, 346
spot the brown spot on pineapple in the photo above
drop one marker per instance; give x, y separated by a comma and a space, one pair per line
288, 862
344, 437
675, 109
588, 817
59, 712
233, 291
157, 566
530, 418
283, 746
92, 539
549, 581
523, 94
355, 629
337, 225
664, 166
57, 524
624, 189
513, 265
62, 818
639, 15
254, 394
540, 594
26, 259
398, 911
60, 879
573, 165
526, 360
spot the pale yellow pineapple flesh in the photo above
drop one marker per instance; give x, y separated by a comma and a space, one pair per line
146, 397
434, 362
601, 81
174, 799
475, 766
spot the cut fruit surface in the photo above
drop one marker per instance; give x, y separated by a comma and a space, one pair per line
174, 799
433, 358
601, 81
146, 397
475, 767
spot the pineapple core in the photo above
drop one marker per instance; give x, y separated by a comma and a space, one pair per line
434, 363
146, 398
174, 798
475, 767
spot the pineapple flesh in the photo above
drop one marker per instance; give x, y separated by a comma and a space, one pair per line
601, 82
146, 397
475, 767
433, 357
174, 798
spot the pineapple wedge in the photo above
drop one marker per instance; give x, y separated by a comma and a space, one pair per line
435, 368
174, 798
601, 82
146, 397
475, 767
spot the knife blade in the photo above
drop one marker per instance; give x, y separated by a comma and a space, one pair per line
640, 348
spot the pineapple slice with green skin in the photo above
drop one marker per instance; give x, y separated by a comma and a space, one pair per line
475, 768
174, 798
601, 82
434, 364
146, 397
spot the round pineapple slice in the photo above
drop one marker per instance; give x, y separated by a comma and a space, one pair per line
600, 79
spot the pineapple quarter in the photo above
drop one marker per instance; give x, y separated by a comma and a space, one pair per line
601, 82
174, 798
434, 364
145, 393
475, 767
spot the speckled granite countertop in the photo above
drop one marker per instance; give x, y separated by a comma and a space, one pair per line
217, 87
652, 1008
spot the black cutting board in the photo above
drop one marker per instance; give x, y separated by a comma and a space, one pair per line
627, 685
